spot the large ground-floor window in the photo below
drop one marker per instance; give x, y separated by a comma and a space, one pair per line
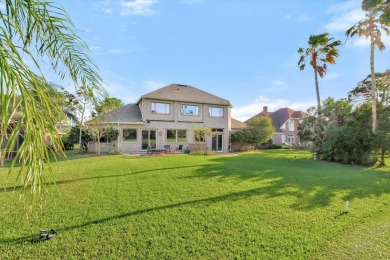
130, 135
176, 136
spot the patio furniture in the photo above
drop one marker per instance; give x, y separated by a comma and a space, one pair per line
180, 148
168, 148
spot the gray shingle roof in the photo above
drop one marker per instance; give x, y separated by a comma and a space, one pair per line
185, 93
127, 114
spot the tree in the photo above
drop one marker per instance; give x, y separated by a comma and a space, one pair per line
200, 133
344, 135
106, 106
377, 20
321, 50
362, 92
39, 31
260, 129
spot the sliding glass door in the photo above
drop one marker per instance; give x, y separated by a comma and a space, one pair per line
217, 144
148, 139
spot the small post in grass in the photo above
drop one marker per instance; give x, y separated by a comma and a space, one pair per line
346, 206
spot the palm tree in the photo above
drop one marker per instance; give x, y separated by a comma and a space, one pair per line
39, 31
377, 20
321, 50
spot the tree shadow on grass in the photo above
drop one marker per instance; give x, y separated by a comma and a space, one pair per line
19, 187
33, 239
312, 183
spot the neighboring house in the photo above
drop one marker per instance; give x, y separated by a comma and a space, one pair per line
167, 116
237, 125
286, 122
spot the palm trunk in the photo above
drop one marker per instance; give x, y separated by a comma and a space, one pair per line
81, 125
317, 92
373, 90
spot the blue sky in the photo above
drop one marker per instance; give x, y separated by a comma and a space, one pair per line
243, 51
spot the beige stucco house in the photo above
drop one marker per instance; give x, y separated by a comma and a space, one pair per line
167, 116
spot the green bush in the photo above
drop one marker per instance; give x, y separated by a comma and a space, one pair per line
202, 152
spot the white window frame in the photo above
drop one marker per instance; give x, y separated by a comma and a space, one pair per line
163, 107
219, 110
185, 112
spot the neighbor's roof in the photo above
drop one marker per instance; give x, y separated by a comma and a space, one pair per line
237, 124
280, 116
185, 93
127, 114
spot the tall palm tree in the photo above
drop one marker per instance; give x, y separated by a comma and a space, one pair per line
321, 50
377, 20
40, 31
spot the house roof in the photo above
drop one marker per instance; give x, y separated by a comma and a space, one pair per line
237, 124
185, 93
129, 113
280, 116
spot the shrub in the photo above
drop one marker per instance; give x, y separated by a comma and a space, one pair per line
202, 152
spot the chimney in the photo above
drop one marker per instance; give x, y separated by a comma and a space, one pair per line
265, 109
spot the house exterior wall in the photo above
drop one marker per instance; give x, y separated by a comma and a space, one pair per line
289, 133
175, 120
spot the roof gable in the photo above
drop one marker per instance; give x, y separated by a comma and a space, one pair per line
185, 93
280, 116
237, 124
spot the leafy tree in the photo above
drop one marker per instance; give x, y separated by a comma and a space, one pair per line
106, 106
259, 131
261, 128
321, 50
343, 135
383, 133
377, 20
38, 31
363, 91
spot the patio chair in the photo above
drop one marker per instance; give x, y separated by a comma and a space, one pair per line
180, 148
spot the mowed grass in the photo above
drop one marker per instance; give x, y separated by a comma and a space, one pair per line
274, 204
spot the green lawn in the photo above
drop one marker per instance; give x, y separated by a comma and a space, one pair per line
269, 204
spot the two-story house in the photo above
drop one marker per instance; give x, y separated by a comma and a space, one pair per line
168, 116
285, 122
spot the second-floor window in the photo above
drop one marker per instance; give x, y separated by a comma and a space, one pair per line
291, 125
216, 111
189, 110
160, 108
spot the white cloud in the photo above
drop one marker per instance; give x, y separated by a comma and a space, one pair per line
363, 42
332, 76
151, 85
341, 22
299, 18
107, 10
122, 92
345, 6
116, 51
123, 28
191, 1
138, 7
243, 113
302, 18
278, 82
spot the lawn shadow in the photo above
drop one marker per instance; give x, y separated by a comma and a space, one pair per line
33, 239
313, 183
19, 187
